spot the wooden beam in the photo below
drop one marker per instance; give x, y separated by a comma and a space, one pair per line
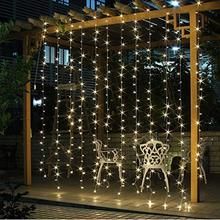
23, 24
124, 9
49, 20
108, 11
36, 22
76, 15
138, 16
62, 18
140, 5
194, 106
160, 4
27, 119
92, 13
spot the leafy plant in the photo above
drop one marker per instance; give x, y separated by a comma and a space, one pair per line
13, 77
11, 206
5, 29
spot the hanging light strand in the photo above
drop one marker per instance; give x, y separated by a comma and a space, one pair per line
149, 89
95, 99
150, 108
57, 141
121, 96
95, 92
180, 119
107, 87
82, 100
71, 107
135, 93
166, 78
201, 82
108, 115
43, 99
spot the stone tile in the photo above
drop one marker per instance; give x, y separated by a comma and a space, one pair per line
57, 212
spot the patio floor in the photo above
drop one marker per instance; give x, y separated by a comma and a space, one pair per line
72, 195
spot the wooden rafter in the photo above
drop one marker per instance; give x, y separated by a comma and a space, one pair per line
108, 11
49, 20
138, 16
23, 24
124, 9
62, 18
76, 15
159, 3
92, 13
140, 5
36, 22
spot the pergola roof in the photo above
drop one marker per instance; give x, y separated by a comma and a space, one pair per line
89, 18
113, 16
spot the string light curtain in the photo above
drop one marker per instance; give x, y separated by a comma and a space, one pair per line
135, 95
95, 99
180, 116
107, 104
71, 111
149, 88
167, 106
43, 109
82, 100
201, 82
57, 116
121, 98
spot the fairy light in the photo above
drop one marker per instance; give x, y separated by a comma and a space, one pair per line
201, 96
95, 99
43, 98
80, 120
57, 141
180, 120
135, 93
167, 107
107, 44
108, 115
149, 89
148, 181
71, 107
95, 92
121, 96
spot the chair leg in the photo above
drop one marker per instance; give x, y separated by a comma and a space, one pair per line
49, 170
119, 171
182, 173
203, 173
98, 181
166, 179
144, 177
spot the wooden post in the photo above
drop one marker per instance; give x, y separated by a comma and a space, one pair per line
194, 105
27, 119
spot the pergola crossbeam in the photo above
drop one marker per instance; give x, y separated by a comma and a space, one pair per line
137, 16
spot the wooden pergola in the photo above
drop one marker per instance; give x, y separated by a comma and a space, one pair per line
112, 19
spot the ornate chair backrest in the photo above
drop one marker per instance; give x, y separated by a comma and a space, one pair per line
154, 152
98, 145
203, 147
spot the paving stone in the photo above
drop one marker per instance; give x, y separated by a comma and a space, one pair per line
58, 212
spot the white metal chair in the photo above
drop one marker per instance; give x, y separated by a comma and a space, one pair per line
202, 150
155, 153
107, 156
